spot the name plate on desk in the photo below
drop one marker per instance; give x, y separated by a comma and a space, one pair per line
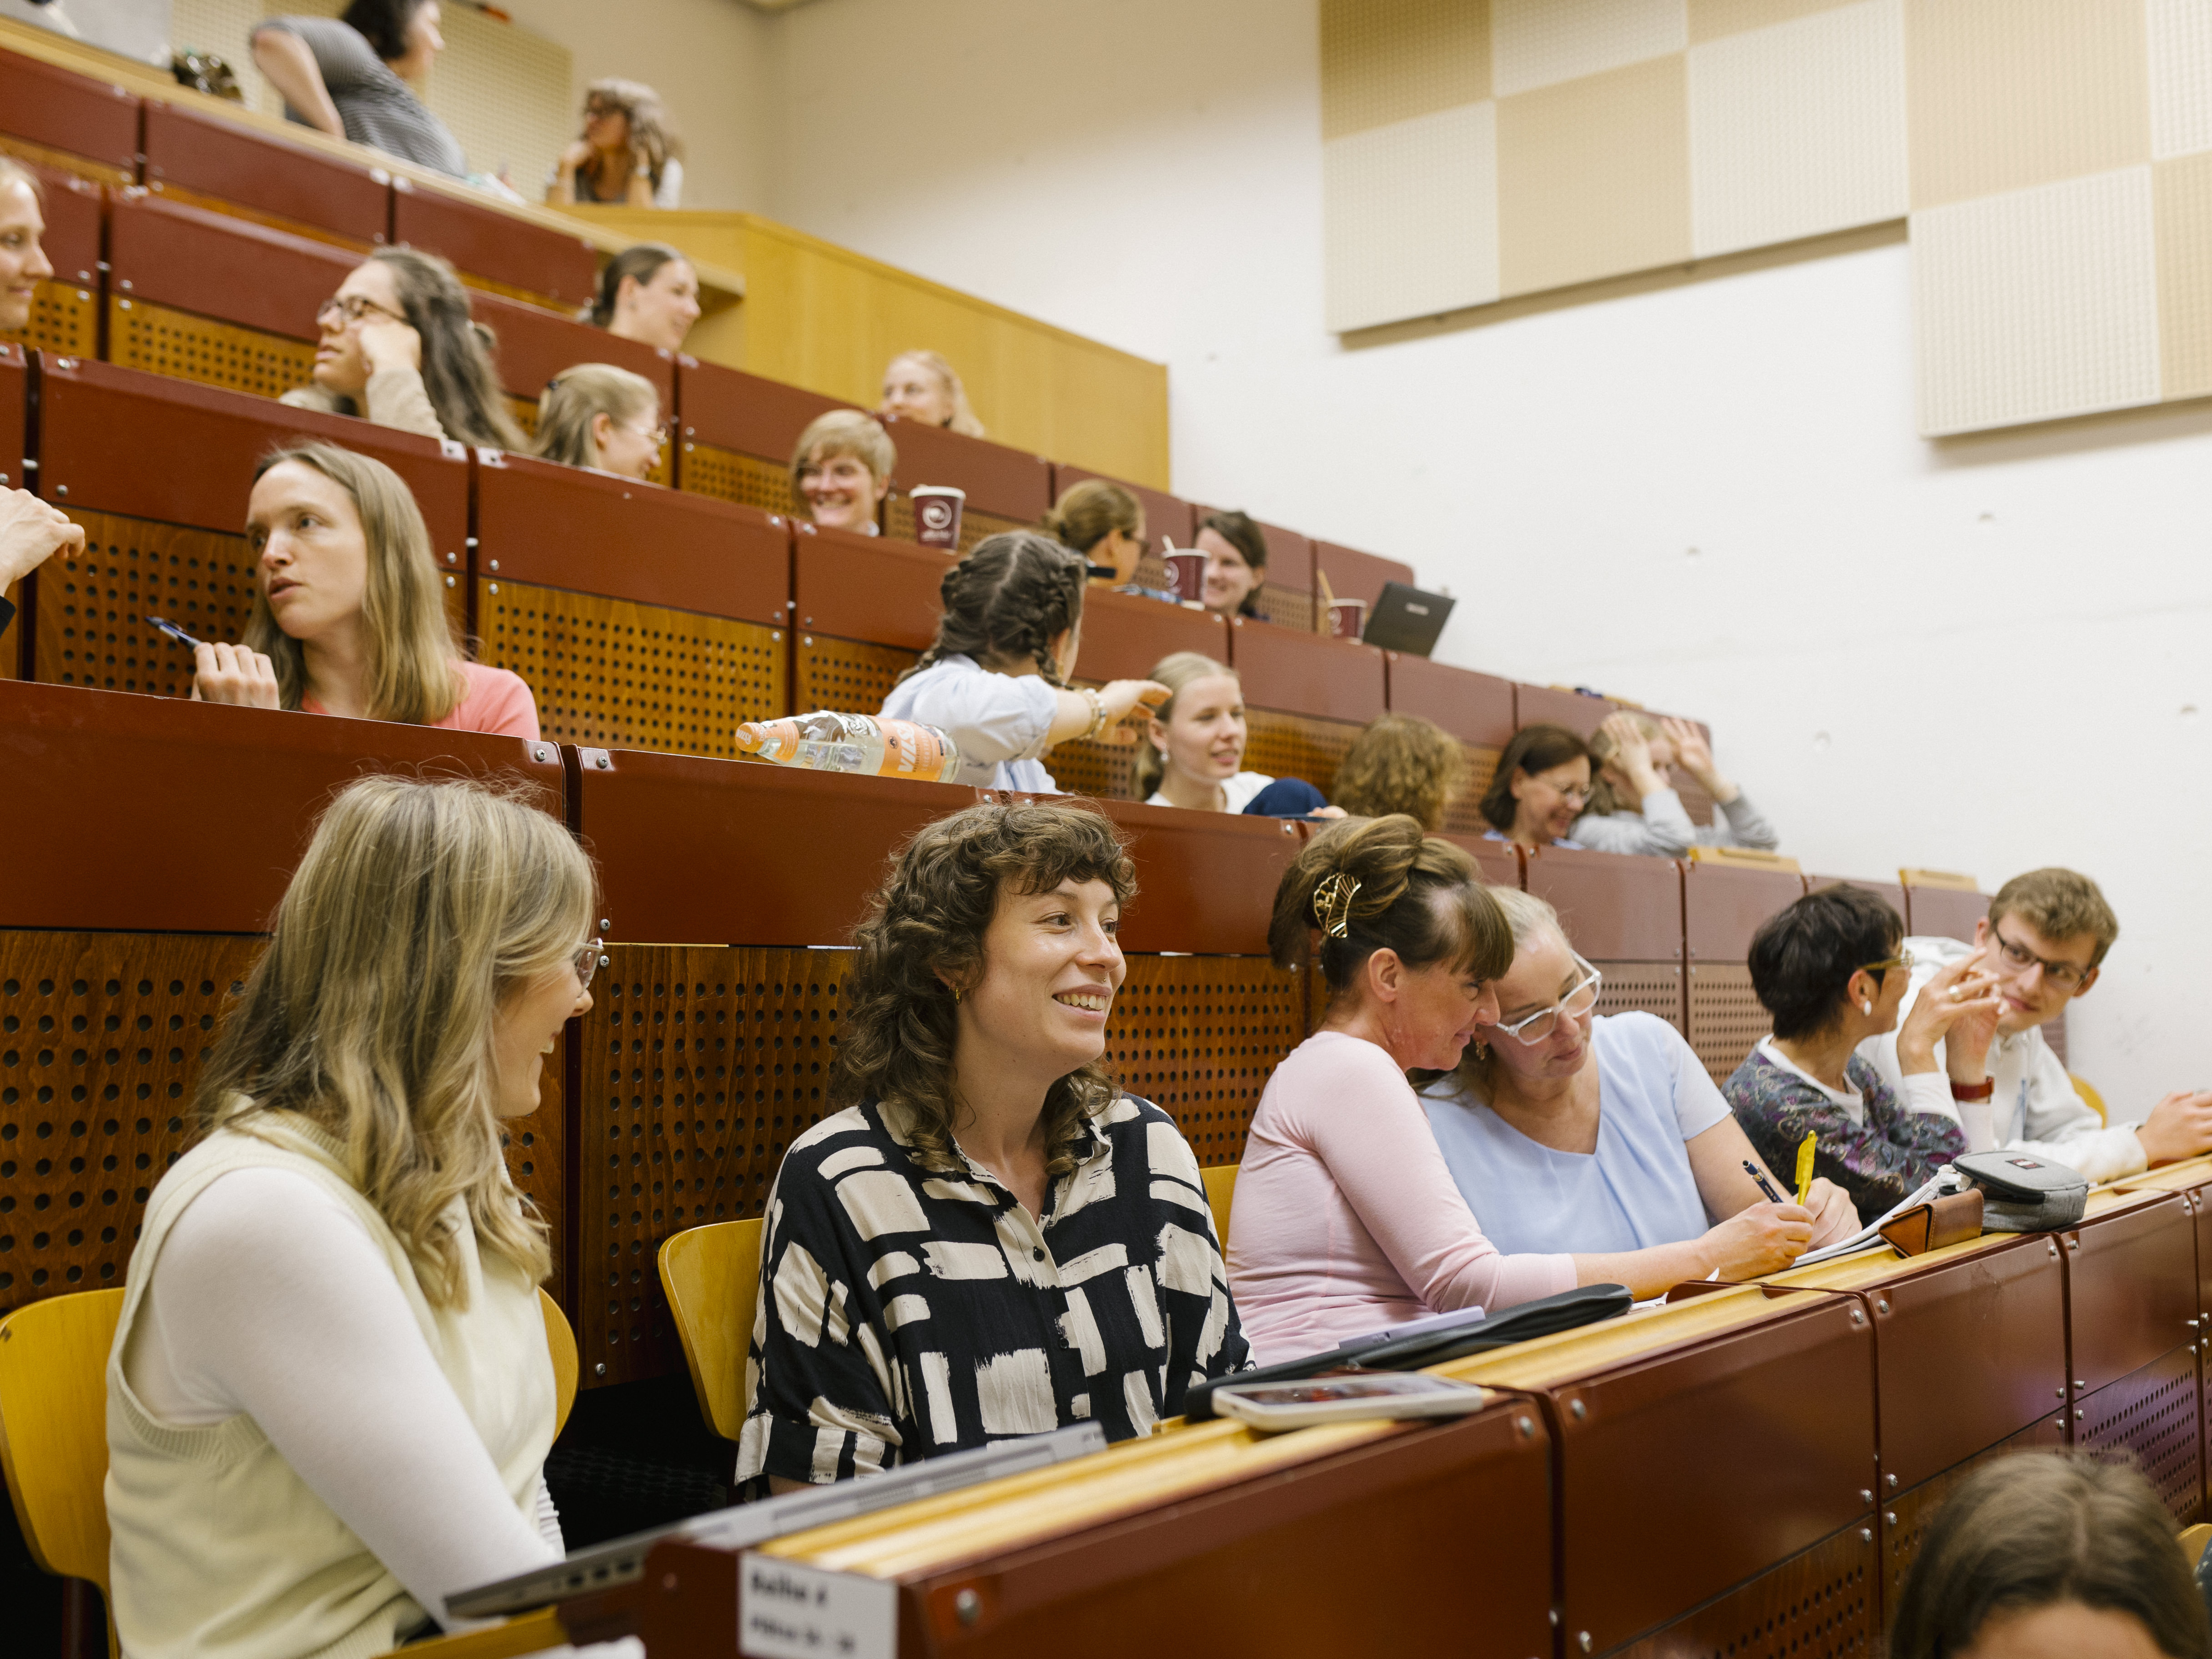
786, 1611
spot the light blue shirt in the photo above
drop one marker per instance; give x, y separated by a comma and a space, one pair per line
1636, 1190
1002, 722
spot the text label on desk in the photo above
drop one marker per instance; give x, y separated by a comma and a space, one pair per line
785, 1611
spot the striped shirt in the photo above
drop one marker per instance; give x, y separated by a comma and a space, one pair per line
376, 106
907, 1310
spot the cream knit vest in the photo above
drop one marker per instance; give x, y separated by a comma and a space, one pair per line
220, 1550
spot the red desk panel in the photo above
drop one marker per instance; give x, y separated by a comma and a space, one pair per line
1205, 880
1888, 891
1474, 707
1356, 575
1943, 912
1498, 860
1167, 518
1125, 634
1724, 907
482, 241
1307, 673
259, 171
69, 113
535, 345
157, 815
867, 587
74, 215
121, 440
1615, 906
2131, 1288
1538, 705
748, 413
14, 391
219, 266
590, 532
1004, 482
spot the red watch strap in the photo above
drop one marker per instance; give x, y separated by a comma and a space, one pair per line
1981, 1090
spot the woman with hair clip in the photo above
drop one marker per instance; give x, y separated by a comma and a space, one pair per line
1633, 808
605, 418
1193, 755
347, 617
629, 152
1601, 1136
1105, 523
990, 1239
648, 293
399, 347
920, 386
1542, 781
330, 1397
996, 676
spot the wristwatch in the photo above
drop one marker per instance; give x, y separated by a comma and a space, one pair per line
1981, 1090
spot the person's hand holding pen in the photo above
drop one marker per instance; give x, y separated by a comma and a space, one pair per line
1766, 1237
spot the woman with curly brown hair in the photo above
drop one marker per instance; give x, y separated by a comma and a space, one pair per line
996, 677
991, 1239
1402, 763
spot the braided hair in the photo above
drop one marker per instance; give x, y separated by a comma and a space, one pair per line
1370, 885
1008, 599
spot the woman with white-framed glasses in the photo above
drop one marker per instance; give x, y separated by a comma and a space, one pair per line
1599, 1136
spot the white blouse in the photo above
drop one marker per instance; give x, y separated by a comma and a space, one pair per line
1236, 792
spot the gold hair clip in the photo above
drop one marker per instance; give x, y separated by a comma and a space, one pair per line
1332, 903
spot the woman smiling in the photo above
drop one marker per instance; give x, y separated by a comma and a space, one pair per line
991, 1239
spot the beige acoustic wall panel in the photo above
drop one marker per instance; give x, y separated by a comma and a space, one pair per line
2181, 198
2180, 76
2007, 94
1387, 61
2037, 304
1710, 19
1797, 129
1410, 213
1594, 177
1537, 43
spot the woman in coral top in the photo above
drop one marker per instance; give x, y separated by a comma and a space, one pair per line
347, 617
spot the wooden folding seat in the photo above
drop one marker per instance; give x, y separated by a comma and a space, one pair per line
68, 121
525, 255
536, 344
1125, 636
165, 834
202, 160
738, 432
14, 394
1475, 708
641, 618
1306, 698
1722, 906
159, 471
1005, 488
1624, 913
65, 310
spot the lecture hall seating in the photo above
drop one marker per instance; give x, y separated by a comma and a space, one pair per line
1005, 488
65, 312
738, 432
1287, 598
201, 160
85, 126
1475, 708
1722, 906
1624, 913
1307, 697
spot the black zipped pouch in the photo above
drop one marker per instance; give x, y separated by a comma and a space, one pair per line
1586, 1304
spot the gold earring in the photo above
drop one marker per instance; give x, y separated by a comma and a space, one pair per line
1481, 1050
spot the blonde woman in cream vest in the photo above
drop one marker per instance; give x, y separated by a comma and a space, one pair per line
330, 1402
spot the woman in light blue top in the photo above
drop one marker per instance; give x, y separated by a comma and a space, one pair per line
1568, 1131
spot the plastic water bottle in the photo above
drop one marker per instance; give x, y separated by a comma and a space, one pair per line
828, 742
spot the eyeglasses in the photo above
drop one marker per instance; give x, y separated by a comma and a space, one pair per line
1533, 1029
658, 436
353, 307
2066, 974
589, 962
1578, 792
1902, 959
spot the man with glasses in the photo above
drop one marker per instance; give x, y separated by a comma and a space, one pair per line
2045, 938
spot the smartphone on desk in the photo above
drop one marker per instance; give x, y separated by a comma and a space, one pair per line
1272, 1406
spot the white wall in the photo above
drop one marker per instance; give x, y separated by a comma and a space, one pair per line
1983, 655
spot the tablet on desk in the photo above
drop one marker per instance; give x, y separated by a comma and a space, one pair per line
1408, 619
1301, 1404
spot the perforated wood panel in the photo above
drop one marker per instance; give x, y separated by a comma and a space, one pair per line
1819, 1605
1286, 607
611, 674
1726, 1021
1697, 800
730, 476
1100, 770
1463, 812
164, 341
1297, 746
898, 521
1198, 1036
92, 607
1651, 988
1905, 1519
64, 320
2153, 1415
848, 675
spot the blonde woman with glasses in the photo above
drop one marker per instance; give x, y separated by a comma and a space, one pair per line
330, 1398
1601, 1137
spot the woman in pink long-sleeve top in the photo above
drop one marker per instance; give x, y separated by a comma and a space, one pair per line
1346, 1219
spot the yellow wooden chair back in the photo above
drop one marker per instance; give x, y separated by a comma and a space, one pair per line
561, 1344
1220, 1187
712, 1278
2095, 1101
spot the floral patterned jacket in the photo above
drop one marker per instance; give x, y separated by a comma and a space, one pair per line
1877, 1161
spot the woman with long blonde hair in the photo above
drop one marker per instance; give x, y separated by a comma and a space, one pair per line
921, 385
347, 615
605, 418
330, 1397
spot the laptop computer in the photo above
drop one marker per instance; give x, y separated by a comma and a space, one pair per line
1408, 619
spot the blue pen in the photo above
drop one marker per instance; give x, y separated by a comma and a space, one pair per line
174, 632
1764, 1185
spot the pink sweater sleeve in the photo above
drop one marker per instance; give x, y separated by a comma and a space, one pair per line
497, 701
1369, 1127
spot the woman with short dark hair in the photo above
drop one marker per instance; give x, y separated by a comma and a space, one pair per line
1538, 789
2050, 1552
990, 1239
347, 76
1831, 972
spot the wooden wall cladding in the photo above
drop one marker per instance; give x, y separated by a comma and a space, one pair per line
1198, 1036
1297, 746
1548, 705
163, 340
607, 673
2153, 1417
536, 261
865, 587
535, 345
1943, 912
1825, 1601
1463, 812
1650, 987
1011, 485
1308, 674
92, 628
1726, 1021
1126, 636
746, 415
1907, 1518
727, 476
218, 266
64, 318
847, 675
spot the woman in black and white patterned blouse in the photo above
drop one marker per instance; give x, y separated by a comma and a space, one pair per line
991, 1240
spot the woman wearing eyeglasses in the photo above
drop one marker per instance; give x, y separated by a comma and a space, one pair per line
1540, 788
399, 347
1601, 1137
603, 417
1832, 971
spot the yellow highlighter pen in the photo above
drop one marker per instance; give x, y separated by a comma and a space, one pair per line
1805, 1168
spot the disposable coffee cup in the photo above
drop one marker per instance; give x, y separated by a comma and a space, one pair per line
1186, 574
1347, 619
936, 515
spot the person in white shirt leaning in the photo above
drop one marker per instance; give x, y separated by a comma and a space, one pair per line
2044, 938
